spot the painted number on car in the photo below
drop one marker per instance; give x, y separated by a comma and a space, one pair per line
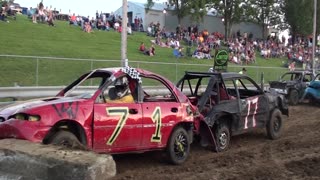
123, 112
252, 103
156, 118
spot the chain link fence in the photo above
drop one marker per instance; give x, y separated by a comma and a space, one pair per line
51, 71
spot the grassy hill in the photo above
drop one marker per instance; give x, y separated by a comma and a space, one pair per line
24, 38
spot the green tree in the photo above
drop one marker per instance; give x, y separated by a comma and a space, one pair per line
299, 16
266, 13
198, 10
182, 8
232, 11
149, 4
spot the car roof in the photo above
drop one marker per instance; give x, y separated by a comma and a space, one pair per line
224, 75
299, 71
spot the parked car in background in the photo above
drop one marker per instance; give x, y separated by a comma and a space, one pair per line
15, 7
292, 84
312, 92
86, 114
230, 104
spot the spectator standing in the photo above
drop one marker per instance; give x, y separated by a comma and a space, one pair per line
97, 15
41, 12
292, 66
243, 71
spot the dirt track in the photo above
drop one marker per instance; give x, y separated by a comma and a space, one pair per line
296, 155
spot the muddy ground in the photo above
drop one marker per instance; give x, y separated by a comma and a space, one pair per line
296, 155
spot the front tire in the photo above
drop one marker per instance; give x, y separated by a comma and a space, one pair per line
222, 137
274, 125
66, 139
178, 146
293, 97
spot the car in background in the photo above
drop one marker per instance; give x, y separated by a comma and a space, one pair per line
15, 7
292, 84
80, 116
230, 104
312, 92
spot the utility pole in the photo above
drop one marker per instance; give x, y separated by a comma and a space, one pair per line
314, 36
124, 60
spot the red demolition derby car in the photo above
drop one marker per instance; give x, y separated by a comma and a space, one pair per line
87, 114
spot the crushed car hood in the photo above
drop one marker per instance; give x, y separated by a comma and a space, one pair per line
34, 103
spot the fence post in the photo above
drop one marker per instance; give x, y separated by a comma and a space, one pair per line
91, 68
37, 72
176, 70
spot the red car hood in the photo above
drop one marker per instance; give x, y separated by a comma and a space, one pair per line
34, 103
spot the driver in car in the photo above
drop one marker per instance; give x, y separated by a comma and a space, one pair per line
121, 92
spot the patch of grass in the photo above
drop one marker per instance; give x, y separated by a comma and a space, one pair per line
22, 37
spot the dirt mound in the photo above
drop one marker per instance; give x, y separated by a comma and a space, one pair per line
296, 155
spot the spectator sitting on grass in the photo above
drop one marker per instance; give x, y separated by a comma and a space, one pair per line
73, 20
129, 30
142, 47
3, 12
116, 26
151, 51
107, 26
50, 19
206, 52
87, 26
177, 52
100, 25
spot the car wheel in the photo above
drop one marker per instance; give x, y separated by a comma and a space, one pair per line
66, 139
293, 97
312, 100
178, 146
222, 137
274, 125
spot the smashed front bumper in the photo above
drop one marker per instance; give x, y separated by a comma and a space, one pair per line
19, 129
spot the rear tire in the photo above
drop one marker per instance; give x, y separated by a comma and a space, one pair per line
293, 97
274, 125
66, 139
222, 137
178, 146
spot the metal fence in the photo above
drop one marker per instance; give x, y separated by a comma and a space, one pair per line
18, 70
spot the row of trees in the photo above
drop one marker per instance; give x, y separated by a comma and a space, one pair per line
297, 15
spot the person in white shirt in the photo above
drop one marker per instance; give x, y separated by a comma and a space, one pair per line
116, 26
176, 43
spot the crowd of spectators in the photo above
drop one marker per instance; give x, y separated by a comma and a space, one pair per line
42, 14
102, 22
204, 41
6, 11
243, 47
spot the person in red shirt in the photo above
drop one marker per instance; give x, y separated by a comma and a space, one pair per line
142, 47
73, 19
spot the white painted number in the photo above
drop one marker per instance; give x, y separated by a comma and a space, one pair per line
254, 103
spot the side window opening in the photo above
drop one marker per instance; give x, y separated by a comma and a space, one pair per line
155, 91
122, 87
307, 78
247, 89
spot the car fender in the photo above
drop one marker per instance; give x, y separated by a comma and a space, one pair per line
72, 126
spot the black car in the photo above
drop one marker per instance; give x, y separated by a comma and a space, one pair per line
292, 85
231, 104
